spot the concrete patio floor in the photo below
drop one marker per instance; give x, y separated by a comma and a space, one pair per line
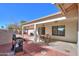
70, 48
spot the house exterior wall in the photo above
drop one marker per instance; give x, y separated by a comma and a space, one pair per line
70, 30
71, 27
5, 37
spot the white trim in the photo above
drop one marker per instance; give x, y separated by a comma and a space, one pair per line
52, 20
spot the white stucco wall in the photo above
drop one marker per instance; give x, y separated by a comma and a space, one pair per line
30, 31
70, 31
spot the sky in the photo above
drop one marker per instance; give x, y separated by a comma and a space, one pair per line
15, 12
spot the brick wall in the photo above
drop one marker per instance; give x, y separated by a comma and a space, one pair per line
5, 36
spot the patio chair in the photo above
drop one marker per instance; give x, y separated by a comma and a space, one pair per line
46, 38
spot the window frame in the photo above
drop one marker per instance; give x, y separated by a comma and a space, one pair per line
56, 27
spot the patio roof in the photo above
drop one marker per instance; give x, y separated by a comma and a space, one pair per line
52, 16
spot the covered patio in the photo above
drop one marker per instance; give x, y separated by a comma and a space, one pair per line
66, 20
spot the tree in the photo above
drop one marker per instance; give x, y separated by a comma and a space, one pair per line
21, 24
2, 27
16, 26
12, 27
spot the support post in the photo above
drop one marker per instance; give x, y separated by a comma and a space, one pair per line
35, 38
22, 30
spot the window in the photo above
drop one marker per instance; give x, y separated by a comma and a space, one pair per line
58, 30
41, 30
61, 30
54, 30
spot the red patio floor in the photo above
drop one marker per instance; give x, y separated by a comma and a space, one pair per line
33, 49
5, 48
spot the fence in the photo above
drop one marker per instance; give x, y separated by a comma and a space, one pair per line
5, 36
